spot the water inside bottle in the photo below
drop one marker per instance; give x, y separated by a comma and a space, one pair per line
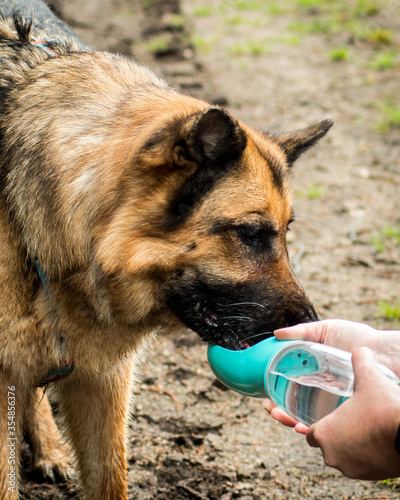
305, 401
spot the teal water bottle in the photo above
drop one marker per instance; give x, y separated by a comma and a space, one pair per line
306, 379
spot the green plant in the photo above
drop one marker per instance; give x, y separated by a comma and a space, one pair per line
367, 8
310, 4
390, 117
313, 191
249, 4
379, 36
158, 44
236, 20
147, 4
392, 232
378, 243
388, 236
126, 13
203, 11
384, 60
391, 482
313, 26
339, 54
202, 44
176, 21
290, 40
389, 310
251, 48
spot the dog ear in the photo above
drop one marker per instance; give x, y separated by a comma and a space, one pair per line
296, 143
215, 137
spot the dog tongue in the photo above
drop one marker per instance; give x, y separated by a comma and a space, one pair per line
244, 345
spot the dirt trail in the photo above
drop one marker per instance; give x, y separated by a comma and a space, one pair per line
277, 66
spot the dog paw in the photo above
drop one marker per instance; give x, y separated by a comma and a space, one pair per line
46, 471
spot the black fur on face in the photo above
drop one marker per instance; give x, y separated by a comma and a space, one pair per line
235, 315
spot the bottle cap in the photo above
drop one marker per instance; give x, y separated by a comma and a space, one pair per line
244, 371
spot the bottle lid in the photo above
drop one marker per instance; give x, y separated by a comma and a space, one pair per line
244, 371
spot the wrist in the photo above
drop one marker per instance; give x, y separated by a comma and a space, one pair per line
387, 349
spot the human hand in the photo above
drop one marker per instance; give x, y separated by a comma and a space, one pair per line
358, 438
346, 335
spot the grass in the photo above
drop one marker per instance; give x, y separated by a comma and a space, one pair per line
125, 13
391, 482
202, 44
367, 8
388, 237
390, 117
158, 44
203, 11
313, 191
310, 4
240, 20
389, 311
339, 54
312, 27
384, 60
290, 40
379, 36
249, 4
147, 4
176, 21
251, 47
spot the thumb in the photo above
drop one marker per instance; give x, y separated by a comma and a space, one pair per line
311, 437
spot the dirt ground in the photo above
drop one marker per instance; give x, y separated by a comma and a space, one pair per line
278, 66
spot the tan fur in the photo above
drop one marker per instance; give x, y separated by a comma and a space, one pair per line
94, 152
49, 454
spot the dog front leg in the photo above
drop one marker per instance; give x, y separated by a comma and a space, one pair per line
95, 412
49, 454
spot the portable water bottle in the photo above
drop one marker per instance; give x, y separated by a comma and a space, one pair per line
306, 379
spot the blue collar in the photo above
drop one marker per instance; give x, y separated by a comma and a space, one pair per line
43, 279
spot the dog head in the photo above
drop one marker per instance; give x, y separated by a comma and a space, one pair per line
214, 234
237, 286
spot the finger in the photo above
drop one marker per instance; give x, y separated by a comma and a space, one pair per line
301, 428
305, 331
283, 418
268, 404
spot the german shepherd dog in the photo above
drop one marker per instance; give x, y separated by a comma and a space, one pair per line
125, 208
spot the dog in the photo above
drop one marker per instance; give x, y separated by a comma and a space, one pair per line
126, 208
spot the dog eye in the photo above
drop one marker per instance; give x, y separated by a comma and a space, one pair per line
255, 236
292, 219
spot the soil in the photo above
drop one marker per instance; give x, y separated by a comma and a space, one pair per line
189, 437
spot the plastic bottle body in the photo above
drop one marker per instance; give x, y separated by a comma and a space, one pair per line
309, 381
